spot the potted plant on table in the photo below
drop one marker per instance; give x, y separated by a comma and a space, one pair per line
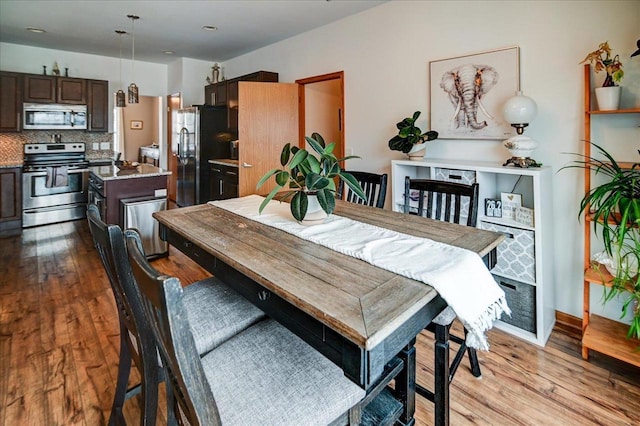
311, 180
410, 138
601, 59
615, 210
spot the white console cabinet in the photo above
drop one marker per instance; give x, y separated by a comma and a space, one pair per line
525, 259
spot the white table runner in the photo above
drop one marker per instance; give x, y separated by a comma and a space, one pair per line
458, 275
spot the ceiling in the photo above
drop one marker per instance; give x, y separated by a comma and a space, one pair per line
242, 26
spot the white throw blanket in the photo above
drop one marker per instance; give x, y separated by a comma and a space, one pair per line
458, 275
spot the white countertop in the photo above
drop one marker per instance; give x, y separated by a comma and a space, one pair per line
141, 171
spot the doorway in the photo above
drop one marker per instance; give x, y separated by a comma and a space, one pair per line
322, 109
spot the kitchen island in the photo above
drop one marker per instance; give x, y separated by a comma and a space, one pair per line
127, 196
108, 185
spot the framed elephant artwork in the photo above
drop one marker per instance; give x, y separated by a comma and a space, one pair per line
467, 94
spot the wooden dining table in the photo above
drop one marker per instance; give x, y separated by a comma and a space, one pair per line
363, 318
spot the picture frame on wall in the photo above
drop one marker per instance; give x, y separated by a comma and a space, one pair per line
466, 94
136, 124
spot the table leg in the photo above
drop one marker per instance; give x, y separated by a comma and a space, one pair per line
442, 376
405, 386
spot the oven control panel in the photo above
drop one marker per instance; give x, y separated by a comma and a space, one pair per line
42, 148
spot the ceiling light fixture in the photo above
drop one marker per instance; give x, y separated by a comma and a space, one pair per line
168, 52
36, 30
133, 88
209, 28
120, 98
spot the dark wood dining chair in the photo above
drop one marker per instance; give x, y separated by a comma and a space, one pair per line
374, 186
265, 375
215, 313
442, 200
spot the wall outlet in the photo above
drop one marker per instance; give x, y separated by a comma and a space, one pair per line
349, 152
104, 145
95, 146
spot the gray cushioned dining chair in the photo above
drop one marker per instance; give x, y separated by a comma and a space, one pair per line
443, 200
265, 375
374, 186
214, 311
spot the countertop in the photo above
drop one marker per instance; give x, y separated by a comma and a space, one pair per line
10, 164
224, 162
141, 171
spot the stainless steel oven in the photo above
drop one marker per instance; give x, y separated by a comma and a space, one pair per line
55, 183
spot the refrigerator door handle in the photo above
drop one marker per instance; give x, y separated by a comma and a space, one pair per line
181, 154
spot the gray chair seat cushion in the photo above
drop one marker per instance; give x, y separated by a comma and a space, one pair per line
267, 375
217, 313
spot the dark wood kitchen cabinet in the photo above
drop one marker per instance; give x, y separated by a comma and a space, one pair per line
98, 105
53, 89
224, 182
10, 101
226, 93
216, 94
10, 200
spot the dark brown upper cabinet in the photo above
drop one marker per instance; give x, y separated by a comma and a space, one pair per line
10, 101
52, 89
98, 105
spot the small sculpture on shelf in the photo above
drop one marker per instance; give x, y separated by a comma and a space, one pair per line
215, 73
55, 70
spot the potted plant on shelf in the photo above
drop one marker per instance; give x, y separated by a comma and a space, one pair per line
311, 180
608, 96
410, 138
614, 208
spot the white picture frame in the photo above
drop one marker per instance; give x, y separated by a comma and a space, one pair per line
509, 203
499, 71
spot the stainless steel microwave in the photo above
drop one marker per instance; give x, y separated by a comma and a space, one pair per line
54, 117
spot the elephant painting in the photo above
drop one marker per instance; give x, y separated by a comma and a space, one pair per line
466, 85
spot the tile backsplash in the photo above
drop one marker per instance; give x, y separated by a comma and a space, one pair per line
11, 143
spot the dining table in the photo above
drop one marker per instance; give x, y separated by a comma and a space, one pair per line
362, 317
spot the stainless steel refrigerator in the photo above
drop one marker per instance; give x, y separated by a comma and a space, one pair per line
201, 135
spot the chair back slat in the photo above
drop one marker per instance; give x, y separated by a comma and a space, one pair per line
442, 200
161, 298
374, 186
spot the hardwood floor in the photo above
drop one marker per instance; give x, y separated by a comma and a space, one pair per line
59, 351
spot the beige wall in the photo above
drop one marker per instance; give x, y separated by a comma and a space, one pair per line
147, 112
322, 104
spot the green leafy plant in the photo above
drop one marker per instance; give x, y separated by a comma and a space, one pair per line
615, 209
409, 134
306, 174
601, 60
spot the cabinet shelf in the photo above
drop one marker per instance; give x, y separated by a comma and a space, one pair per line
600, 275
608, 337
617, 111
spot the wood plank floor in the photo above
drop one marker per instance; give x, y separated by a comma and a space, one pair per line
59, 351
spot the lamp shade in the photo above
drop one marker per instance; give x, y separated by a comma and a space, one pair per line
520, 109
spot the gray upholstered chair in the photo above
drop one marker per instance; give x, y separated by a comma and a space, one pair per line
374, 186
265, 375
442, 200
215, 313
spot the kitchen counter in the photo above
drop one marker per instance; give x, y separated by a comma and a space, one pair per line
10, 164
224, 162
141, 171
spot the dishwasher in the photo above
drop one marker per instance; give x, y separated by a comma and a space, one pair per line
137, 214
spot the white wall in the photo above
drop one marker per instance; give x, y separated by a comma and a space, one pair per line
385, 54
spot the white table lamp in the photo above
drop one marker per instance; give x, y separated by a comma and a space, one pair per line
519, 111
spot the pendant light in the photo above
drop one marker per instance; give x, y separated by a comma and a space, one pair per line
120, 98
133, 89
